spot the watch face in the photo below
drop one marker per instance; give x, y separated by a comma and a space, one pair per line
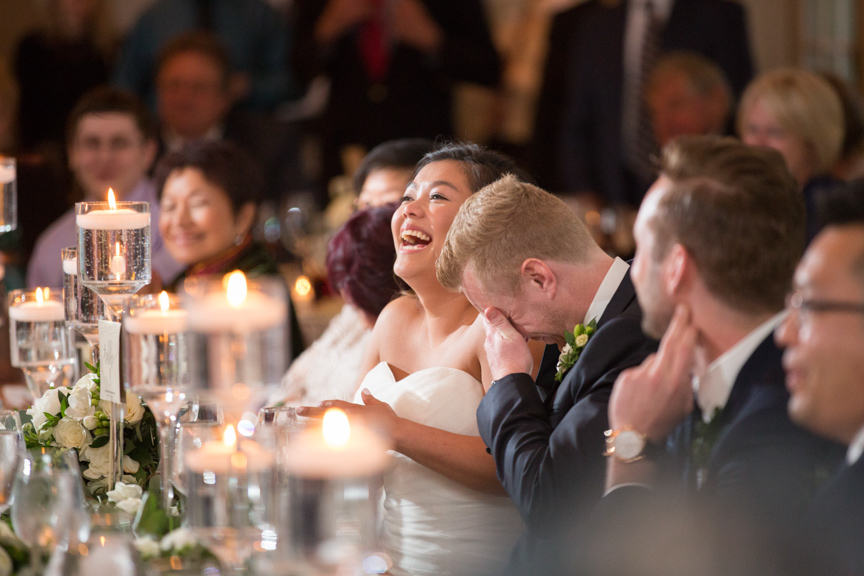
628, 445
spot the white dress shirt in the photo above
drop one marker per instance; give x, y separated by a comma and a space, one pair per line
856, 448
714, 386
607, 290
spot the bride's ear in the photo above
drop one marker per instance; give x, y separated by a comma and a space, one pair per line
537, 275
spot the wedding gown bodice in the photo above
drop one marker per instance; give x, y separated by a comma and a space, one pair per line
433, 525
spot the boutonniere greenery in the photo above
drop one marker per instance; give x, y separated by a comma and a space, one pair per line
576, 341
705, 435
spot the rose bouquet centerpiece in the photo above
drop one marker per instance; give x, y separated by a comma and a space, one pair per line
77, 418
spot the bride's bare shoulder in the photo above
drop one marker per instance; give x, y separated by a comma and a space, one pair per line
398, 312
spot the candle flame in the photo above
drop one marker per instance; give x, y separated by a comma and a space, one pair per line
230, 436
112, 203
336, 428
164, 302
117, 249
302, 286
39, 296
236, 288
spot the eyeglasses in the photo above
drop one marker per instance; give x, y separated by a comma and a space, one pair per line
804, 308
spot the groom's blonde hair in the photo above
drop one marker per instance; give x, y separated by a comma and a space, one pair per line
504, 224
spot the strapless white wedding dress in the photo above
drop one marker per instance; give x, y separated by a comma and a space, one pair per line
432, 525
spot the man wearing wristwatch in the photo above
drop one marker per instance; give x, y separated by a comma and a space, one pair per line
718, 237
529, 265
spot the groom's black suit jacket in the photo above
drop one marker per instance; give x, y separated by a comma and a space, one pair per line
548, 441
838, 516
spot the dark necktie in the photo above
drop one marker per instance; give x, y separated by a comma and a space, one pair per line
646, 145
373, 44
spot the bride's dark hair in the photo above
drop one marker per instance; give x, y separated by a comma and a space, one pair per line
482, 165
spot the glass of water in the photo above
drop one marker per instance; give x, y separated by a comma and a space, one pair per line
84, 308
8, 195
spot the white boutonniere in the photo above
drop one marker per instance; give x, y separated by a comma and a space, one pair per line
576, 341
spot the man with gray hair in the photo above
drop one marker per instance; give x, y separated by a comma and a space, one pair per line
529, 265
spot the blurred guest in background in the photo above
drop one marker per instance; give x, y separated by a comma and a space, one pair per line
607, 141
385, 172
687, 95
800, 115
111, 143
392, 66
851, 163
253, 33
360, 268
195, 103
56, 65
209, 195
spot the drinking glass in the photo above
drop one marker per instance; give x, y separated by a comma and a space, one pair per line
8, 195
39, 342
191, 436
84, 308
48, 502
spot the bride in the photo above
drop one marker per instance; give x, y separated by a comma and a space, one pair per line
445, 512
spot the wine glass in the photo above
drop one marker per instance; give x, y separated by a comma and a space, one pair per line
48, 502
84, 308
39, 342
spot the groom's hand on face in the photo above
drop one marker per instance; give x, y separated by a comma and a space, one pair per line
506, 349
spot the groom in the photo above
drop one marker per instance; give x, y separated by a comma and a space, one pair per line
527, 262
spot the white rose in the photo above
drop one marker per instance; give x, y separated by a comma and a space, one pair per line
90, 422
122, 491
105, 407
69, 433
130, 466
99, 461
178, 539
130, 505
134, 409
86, 382
49, 402
581, 340
8, 537
79, 404
148, 547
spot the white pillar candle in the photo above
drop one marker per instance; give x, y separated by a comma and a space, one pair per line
336, 450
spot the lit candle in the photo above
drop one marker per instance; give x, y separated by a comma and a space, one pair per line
336, 450
224, 457
303, 291
43, 309
113, 218
237, 309
162, 321
118, 264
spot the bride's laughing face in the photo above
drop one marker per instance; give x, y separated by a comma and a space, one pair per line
429, 206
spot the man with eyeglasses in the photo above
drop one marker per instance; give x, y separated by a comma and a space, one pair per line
704, 420
111, 142
824, 363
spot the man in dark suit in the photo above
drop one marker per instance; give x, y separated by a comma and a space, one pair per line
597, 148
527, 262
718, 237
392, 66
825, 368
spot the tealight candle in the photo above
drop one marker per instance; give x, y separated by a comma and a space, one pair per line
162, 321
70, 266
223, 457
118, 264
336, 450
7, 174
43, 309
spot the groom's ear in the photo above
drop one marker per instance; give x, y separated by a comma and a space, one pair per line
537, 275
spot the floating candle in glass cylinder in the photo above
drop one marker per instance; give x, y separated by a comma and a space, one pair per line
330, 469
239, 339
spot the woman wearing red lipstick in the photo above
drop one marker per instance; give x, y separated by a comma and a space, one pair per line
444, 510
